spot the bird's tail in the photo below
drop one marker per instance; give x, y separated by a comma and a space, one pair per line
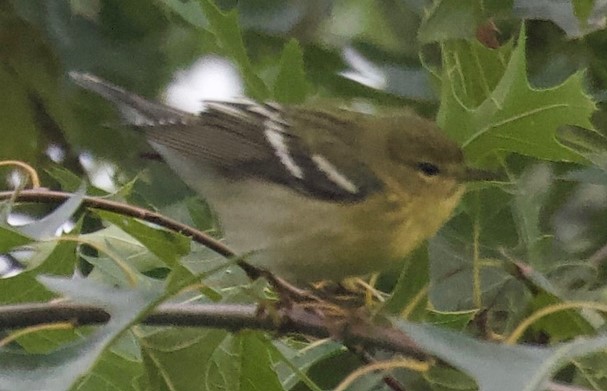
135, 109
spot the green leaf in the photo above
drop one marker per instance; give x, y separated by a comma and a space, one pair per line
413, 280
445, 379
18, 123
582, 10
180, 274
576, 18
296, 358
165, 352
291, 85
562, 325
495, 367
474, 69
71, 182
452, 275
54, 258
66, 178
591, 371
45, 341
227, 32
201, 214
533, 190
47, 226
115, 241
112, 372
11, 238
515, 117
242, 362
455, 320
67, 367
58, 259
189, 10
168, 246
451, 19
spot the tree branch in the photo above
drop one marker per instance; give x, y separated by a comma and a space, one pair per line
232, 317
49, 196
225, 316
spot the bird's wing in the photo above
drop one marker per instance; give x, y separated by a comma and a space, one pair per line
249, 139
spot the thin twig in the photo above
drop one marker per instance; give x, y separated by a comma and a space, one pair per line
598, 257
49, 196
227, 317
388, 379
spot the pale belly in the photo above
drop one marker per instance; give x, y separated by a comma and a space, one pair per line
304, 239
318, 240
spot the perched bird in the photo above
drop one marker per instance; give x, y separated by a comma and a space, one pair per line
307, 193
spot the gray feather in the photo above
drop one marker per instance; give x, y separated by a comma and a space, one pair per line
245, 139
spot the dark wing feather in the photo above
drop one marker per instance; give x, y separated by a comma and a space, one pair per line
245, 138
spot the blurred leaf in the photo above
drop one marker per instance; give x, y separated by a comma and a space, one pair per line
71, 182
583, 9
227, 32
451, 320
116, 242
443, 379
166, 350
291, 85
498, 367
201, 214
180, 274
24, 287
189, 10
68, 367
591, 175
474, 69
11, 238
66, 178
411, 83
242, 362
47, 226
168, 246
112, 371
452, 276
576, 17
591, 371
584, 141
515, 117
560, 326
533, 190
412, 282
302, 357
485, 217
18, 124
45, 341
323, 69
401, 75
451, 19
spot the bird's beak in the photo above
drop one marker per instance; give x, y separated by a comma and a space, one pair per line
477, 175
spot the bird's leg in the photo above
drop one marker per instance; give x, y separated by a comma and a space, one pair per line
287, 292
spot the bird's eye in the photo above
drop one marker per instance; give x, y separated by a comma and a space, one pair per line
428, 169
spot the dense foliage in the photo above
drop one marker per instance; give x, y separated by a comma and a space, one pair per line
510, 295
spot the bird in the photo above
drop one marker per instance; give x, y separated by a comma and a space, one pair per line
307, 193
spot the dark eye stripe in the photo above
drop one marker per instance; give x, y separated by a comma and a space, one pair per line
428, 168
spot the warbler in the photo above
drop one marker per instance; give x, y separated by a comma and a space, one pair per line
307, 194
